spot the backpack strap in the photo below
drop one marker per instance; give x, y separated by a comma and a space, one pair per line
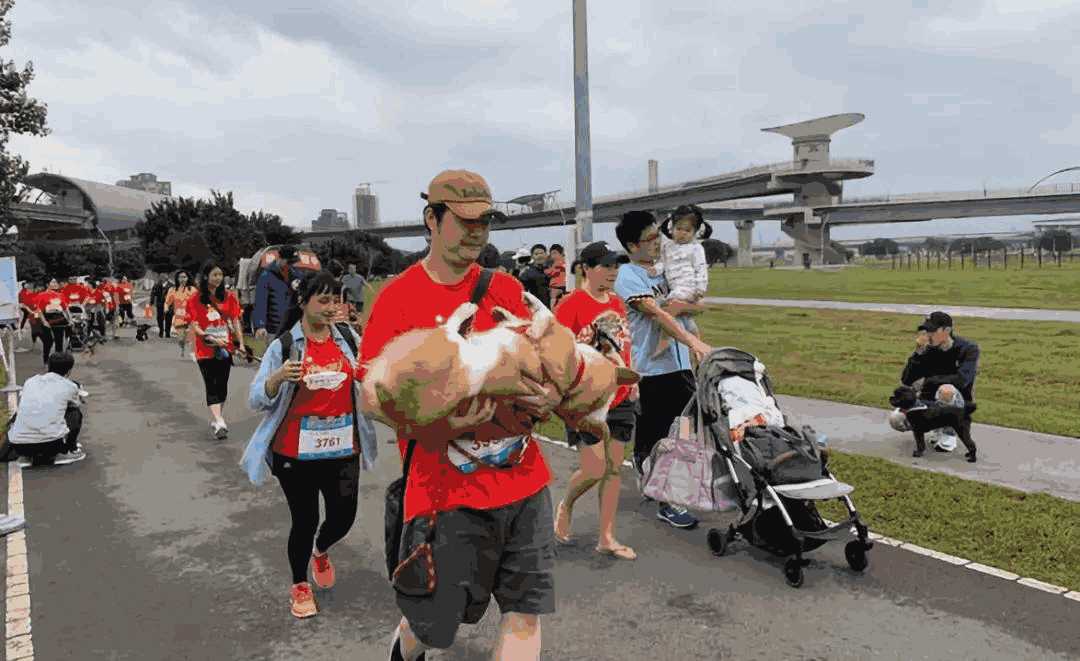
481, 286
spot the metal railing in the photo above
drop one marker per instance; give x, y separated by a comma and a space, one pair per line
984, 194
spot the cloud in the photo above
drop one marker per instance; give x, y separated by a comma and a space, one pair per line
291, 108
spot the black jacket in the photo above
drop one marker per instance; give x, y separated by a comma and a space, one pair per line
957, 366
157, 295
536, 283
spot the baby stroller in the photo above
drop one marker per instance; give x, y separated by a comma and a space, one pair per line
80, 326
774, 472
84, 332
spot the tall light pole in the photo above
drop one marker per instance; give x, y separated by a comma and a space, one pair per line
583, 211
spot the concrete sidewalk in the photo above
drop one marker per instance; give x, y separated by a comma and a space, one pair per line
1014, 314
1023, 460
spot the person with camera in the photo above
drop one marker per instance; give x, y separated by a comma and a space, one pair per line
314, 439
214, 315
46, 428
941, 371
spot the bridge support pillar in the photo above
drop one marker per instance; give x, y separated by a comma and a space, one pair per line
746, 243
812, 242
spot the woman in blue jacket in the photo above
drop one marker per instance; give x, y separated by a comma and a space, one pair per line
314, 439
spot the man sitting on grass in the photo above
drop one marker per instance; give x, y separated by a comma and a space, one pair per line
46, 428
940, 375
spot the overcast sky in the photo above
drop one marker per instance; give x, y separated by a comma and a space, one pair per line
291, 108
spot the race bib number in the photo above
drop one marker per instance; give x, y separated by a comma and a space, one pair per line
218, 332
496, 452
325, 438
73, 297
127, 299
54, 307
212, 315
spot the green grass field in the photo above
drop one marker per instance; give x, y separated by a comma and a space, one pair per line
1050, 287
1029, 373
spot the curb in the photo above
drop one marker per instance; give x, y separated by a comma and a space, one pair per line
19, 642
956, 561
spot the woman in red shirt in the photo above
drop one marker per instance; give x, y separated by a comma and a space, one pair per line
315, 447
176, 301
213, 315
51, 306
596, 314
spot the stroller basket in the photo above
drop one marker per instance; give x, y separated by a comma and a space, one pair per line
775, 472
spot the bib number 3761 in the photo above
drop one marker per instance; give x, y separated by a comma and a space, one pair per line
325, 438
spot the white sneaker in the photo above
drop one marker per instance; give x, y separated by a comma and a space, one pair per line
70, 457
219, 430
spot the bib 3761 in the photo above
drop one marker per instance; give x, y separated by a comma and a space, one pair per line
325, 438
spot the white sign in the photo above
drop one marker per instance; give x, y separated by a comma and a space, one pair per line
9, 291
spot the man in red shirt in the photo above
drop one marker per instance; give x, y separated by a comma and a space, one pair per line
484, 493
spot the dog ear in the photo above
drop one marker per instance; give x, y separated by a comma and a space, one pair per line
460, 322
624, 376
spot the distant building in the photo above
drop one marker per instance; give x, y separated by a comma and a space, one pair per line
148, 182
365, 207
331, 220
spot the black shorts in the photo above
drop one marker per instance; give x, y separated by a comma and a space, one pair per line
508, 553
621, 420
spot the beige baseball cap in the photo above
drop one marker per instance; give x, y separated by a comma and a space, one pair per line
466, 193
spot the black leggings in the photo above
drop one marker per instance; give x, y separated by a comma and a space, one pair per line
53, 335
302, 481
215, 374
125, 312
663, 399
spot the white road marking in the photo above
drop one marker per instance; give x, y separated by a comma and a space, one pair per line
19, 639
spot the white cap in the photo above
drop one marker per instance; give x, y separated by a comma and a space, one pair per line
522, 252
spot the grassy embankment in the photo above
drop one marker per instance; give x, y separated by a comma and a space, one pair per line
1050, 287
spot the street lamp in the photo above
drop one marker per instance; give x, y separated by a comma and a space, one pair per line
582, 150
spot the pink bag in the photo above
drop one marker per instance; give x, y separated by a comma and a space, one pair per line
685, 469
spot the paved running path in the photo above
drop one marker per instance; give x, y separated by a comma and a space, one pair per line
1023, 460
1017, 314
156, 547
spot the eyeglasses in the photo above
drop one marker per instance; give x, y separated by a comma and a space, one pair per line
650, 238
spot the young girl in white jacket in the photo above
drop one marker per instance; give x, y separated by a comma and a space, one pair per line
683, 259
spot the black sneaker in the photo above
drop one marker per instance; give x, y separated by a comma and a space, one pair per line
676, 517
917, 453
970, 456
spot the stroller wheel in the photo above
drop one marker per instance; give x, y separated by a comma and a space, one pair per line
855, 552
718, 541
793, 572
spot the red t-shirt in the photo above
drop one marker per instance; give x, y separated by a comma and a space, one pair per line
557, 274
74, 293
319, 357
93, 297
583, 314
108, 295
411, 301
123, 292
52, 303
215, 322
26, 297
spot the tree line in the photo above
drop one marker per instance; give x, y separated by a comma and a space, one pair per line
1051, 241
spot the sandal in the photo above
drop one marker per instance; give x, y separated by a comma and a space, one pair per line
620, 551
565, 540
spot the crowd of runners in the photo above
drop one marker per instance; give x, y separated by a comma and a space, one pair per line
462, 526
